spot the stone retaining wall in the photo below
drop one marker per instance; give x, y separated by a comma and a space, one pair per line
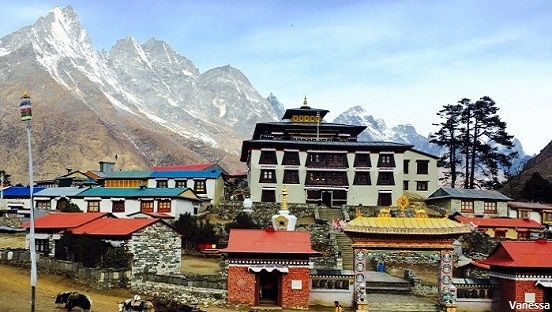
13, 222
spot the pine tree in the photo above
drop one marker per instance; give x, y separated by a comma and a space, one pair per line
448, 136
7, 177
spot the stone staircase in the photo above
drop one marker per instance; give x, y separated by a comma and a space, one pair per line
344, 243
399, 302
329, 214
383, 283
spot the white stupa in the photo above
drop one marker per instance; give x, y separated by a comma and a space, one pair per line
284, 221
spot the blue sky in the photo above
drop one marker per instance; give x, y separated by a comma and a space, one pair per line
400, 60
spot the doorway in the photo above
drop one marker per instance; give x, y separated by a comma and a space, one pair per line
548, 299
327, 199
269, 288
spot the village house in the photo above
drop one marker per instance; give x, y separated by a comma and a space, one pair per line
124, 201
470, 202
324, 163
504, 228
541, 213
17, 200
523, 271
55, 198
71, 179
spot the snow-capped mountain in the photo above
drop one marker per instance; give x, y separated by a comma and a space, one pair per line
377, 130
144, 99
277, 106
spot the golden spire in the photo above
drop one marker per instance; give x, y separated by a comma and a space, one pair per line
25, 94
305, 103
284, 204
384, 213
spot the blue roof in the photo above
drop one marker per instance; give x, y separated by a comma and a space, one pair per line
20, 191
134, 192
201, 174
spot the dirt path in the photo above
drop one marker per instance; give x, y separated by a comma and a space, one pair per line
15, 292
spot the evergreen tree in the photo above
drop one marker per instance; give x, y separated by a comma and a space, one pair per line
7, 178
448, 136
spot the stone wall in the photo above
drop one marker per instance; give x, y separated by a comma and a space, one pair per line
261, 211
156, 249
13, 222
92, 277
296, 298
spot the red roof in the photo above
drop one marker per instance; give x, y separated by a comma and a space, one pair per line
66, 220
522, 254
190, 167
269, 241
159, 215
113, 227
500, 222
532, 206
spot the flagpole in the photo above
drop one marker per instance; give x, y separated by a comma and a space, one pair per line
26, 116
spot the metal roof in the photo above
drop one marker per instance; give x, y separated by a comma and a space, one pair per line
201, 174
522, 254
131, 174
467, 194
532, 206
66, 220
20, 191
500, 222
268, 241
59, 191
406, 226
131, 192
113, 227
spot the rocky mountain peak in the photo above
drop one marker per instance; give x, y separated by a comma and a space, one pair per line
276, 105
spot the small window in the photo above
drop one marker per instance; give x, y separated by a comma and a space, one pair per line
523, 214
181, 183
146, 206
268, 196
314, 195
405, 185
421, 186
386, 160
268, 176
547, 217
362, 178
422, 166
268, 157
43, 204
162, 184
200, 186
523, 235
386, 178
384, 199
93, 206
406, 163
42, 246
500, 234
291, 176
362, 160
490, 207
466, 206
291, 158
118, 206
164, 205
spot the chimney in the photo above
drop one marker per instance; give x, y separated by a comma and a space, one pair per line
69, 170
107, 166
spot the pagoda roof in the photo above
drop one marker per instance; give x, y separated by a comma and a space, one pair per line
521, 254
323, 127
324, 145
269, 241
406, 226
305, 110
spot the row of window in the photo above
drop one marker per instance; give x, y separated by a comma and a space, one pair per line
329, 198
339, 160
163, 205
199, 185
466, 206
546, 215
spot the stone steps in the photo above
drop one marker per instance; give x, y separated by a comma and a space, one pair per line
329, 214
399, 302
344, 243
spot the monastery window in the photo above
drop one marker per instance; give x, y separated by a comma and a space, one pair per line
118, 206
162, 183
146, 206
335, 178
164, 205
490, 207
362, 178
386, 178
523, 214
200, 186
327, 160
268, 158
406, 163
422, 166
385, 199
386, 160
466, 206
522, 234
43, 204
268, 196
362, 160
93, 206
314, 195
547, 217
181, 183
267, 176
421, 186
405, 185
291, 158
291, 176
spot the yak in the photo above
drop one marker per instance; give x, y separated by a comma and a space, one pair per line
73, 299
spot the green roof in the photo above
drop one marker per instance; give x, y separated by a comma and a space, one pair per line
132, 192
132, 174
475, 194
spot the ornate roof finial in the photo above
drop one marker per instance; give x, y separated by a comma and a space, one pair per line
284, 203
25, 94
305, 103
